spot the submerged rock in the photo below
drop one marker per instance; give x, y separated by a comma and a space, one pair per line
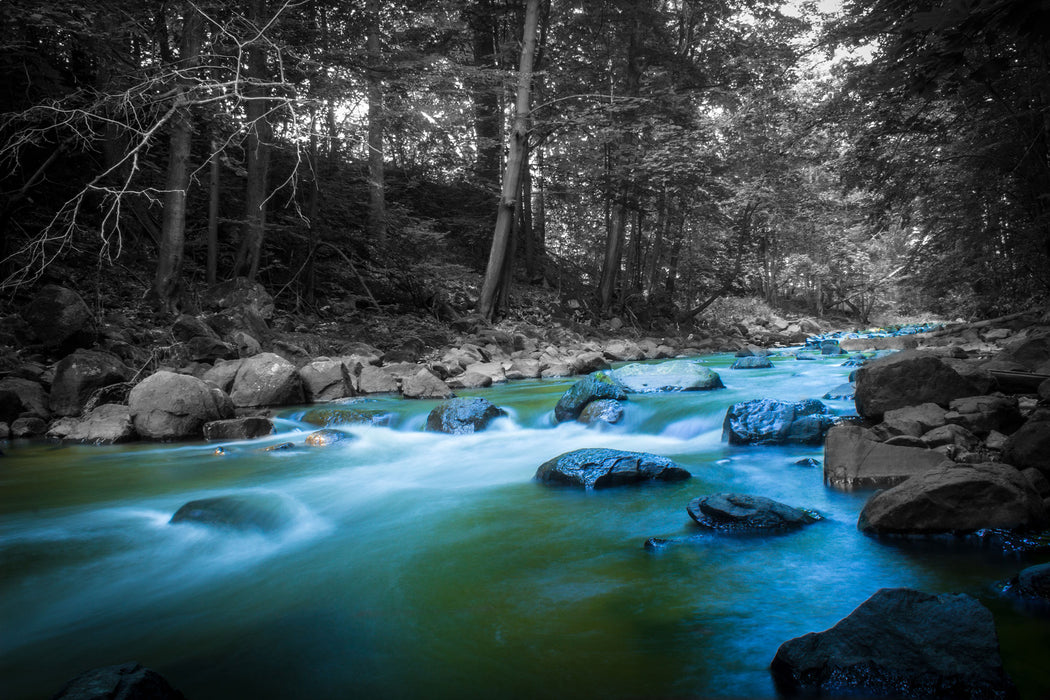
262, 512
597, 468
675, 375
326, 437
596, 386
737, 512
127, 681
245, 428
461, 416
900, 643
347, 415
1032, 583
772, 422
752, 362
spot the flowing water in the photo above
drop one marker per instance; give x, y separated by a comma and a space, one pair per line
424, 565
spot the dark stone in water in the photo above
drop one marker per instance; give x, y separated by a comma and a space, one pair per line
266, 513
772, 422
1032, 583
675, 375
808, 462
462, 416
737, 512
900, 643
597, 468
326, 437
347, 415
602, 412
843, 392
752, 362
127, 681
596, 386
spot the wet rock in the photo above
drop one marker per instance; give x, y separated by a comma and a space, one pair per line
830, 347
127, 681
463, 416
326, 437
772, 422
59, 319
908, 378
424, 384
598, 468
328, 379
854, 459
737, 512
983, 414
1029, 446
107, 424
19, 396
169, 406
899, 643
807, 462
675, 375
590, 388
1032, 583
266, 380
843, 392
752, 362
347, 415
245, 428
262, 512
601, 412
78, 375
955, 499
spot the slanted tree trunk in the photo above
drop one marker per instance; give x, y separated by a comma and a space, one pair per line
376, 124
173, 224
487, 305
258, 143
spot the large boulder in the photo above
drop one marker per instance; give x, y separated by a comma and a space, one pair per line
1032, 351
59, 318
738, 512
376, 380
262, 512
79, 375
240, 293
675, 375
854, 460
601, 412
22, 396
910, 420
1029, 446
127, 681
960, 498
424, 384
327, 379
266, 380
463, 415
169, 406
598, 468
108, 424
772, 422
595, 386
899, 643
908, 378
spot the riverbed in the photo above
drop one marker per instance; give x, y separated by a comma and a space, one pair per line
425, 565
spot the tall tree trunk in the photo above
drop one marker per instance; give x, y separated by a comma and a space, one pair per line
485, 92
539, 216
260, 136
173, 225
215, 173
376, 124
487, 306
663, 224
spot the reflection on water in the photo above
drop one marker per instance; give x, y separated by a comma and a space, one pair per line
421, 564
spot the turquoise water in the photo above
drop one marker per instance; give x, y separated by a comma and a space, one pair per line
430, 565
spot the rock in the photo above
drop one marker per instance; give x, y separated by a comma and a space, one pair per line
601, 412
108, 424
328, 379
588, 362
19, 396
262, 512
955, 499
240, 293
469, 380
28, 427
1033, 582
983, 414
493, 370
244, 319
752, 362
736, 512
675, 375
1040, 484
59, 319
1029, 446
772, 422
462, 416
557, 369
223, 374
187, 327
951, 435
347, 415
209, 349
127, 681
1044, 391
807, 462
598, 468
908, 378
246, 428
246, 344
810, 326
523, 369
424, 384
266, 380
1031, 351
376, 380
830, 347
623, 351
326, 437
899, 643
843, 392
910, 420
169, 406
854, 460
78, 375
590, 388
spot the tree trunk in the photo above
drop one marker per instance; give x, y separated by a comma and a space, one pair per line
376, 124
663, 224
173, 225
215, 172
512, 172
485, 93
260, 135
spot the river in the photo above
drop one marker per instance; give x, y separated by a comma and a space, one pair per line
426, 565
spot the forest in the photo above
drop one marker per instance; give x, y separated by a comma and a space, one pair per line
634, 158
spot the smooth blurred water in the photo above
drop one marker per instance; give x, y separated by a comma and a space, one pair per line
424, 565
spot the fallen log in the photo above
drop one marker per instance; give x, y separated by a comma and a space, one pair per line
1018, 382
960, 327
